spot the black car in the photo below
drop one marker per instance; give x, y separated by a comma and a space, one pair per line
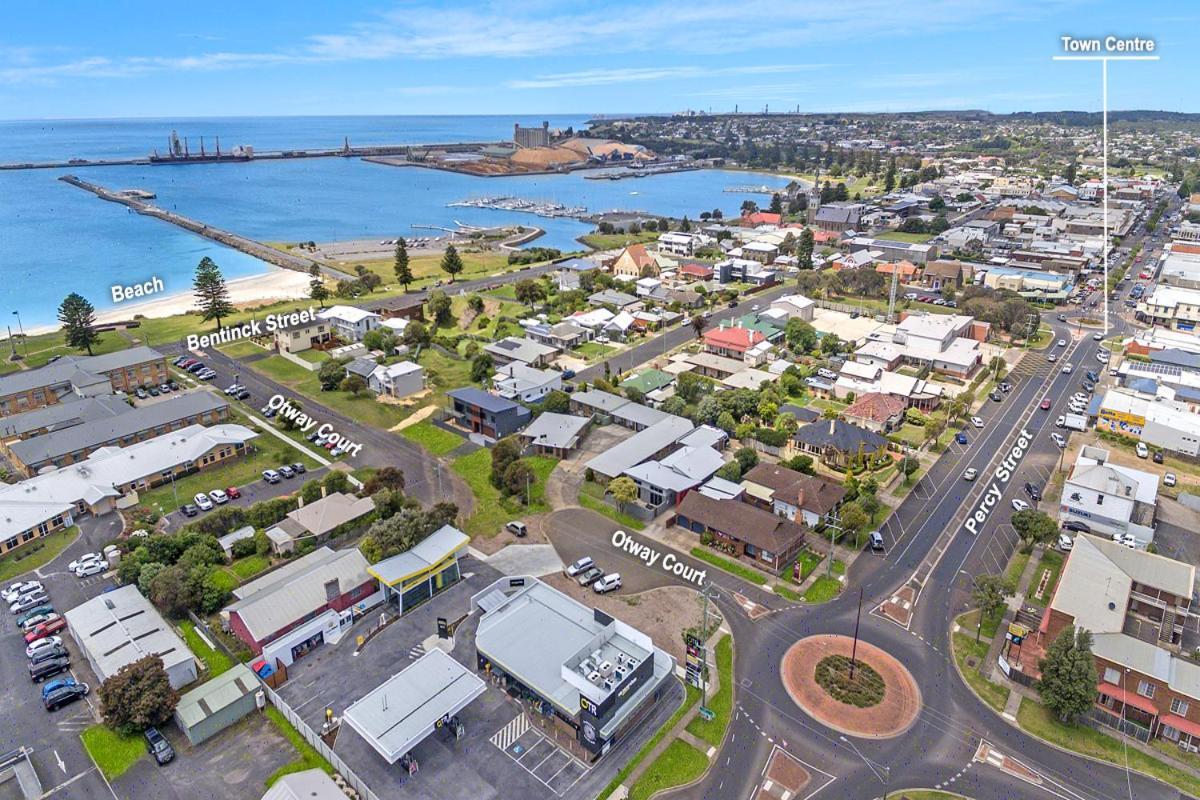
49, 667
1035, 494
1005, 387
1090, 388
995, 396
194, 368
64, 695
1158, 457
158, 746
189, 510
1093, 377
1077, 527
47, 653
299, 468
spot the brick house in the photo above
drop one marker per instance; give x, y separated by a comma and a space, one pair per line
754, 535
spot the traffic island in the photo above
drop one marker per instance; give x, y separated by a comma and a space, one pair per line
880, 700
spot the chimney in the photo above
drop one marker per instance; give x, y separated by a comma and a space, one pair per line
832, 422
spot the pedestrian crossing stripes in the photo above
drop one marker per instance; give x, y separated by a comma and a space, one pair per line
514, 730
416, 652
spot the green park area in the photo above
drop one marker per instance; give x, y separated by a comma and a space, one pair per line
493, 509
35, 553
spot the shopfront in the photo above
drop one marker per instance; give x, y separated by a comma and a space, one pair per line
414, 576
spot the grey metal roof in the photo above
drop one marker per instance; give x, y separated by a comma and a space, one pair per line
477, 397
77, 369
310, 784
641, 446
525, 350
64, 415
396, 715
120, 627
640, 414
555, 430
600, 400
220, 692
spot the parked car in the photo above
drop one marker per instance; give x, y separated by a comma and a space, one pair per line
270, 476
158, 746
581, 565
1019, 505
1058, 440
608, 583
218, 496
286, 471
1066, 368
65, 695
977, 422
1077, 527
1142, 451
1169, 479
25, 616
970, 474
1060, 422
517, 529
45, 629
876, 540
48, 668
19, 588
299, 468
1034, 492
58, 683
202, 502
42, 645
996, 397
189, 510
244, 394
46, 652
140, 393
1065, 542
91, 568
79, 562
178, 360
28, 601
37, 619
233, 388
590, 576
233, 493
195, 367
1125, 539
1157, 457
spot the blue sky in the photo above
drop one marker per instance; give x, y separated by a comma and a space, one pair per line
124, 58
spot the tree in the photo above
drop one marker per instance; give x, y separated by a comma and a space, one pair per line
1071, 172
475, 303
138, 696
776, 204
518, 478
402, 269
529, 291
482, 367
556, 402
452, 263
439, 305
416, 334
934, 427
698, 323
330, 374
936, 203
685, 225
404, 530
380, 339
853, 520
1034, 527
691, 387
504, 453
889, 180
78, 317
1185, 190
212, 295
747, 459
316, 287
391, 478
170, 593
830, 343
801, 336
730, 471
804, 250
623, 490
803, 464
909, 465
989, 593
1068, 683
353, 385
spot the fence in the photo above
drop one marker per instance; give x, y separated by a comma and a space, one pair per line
310, 736
1100, 716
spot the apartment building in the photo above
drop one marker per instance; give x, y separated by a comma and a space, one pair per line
72, 377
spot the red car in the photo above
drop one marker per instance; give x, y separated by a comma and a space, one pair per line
45, 629
1045, 404
1144, 275
233, 492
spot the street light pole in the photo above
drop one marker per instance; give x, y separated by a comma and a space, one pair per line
21, 328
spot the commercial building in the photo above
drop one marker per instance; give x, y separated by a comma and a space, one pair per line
430, 567
217, 703
302, 604
1031, 283
81, 376
531, 136
486, 414
593, 676
70, 445
1172, 307
1156, 420
1109, 498
120, 627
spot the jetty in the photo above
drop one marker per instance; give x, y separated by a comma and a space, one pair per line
510, 203
760, 189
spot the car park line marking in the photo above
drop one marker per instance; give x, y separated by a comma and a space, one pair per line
507, 736
511, 732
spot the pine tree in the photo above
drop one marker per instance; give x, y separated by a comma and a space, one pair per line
78, 317
804, 250
452, 262
889, 180
1068, 684
316, 287
404, 274
212, 295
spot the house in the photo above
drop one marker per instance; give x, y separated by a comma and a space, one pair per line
362, 367
731, 342
70, 444
611, 297
1109, 498
70, 412
650, 442
838, 443
561, 335
906, 271
302, 604
405, 306
881, 413
309, 784
649, 287
227, 541
686, 298
762, 252
743, 270
397, 380
71, 377
940, 274
757, 218
692, 272
555, 435
319, 520
516, 381
597, 404
714, 366
765, 539
661, 483
647, 380
119, 627
305, 334
635, 261
526, 351
486, 414
792, 494
682, 244
350, 323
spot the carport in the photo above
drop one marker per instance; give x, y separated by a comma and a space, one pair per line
397, 715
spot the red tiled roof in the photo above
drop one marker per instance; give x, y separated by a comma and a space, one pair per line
907, 268
762, 218
737, 338
875, 407
699, 270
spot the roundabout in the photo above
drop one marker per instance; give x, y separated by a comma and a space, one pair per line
879, 701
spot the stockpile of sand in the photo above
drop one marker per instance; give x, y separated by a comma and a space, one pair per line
546, 156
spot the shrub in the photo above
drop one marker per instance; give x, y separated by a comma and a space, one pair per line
867, 688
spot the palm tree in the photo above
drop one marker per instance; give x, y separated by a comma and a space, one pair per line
698, 323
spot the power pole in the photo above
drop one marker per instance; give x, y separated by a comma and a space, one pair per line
892, 297
854, 647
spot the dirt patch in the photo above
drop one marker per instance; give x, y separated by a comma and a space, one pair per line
893, 716
536, 526
662, 614
787, 773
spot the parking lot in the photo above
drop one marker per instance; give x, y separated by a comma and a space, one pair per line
500, 755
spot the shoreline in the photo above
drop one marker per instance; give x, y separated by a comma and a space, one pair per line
278, 284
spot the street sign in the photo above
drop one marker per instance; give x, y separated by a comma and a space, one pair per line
443, 628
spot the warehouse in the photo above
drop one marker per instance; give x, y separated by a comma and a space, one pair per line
216, 704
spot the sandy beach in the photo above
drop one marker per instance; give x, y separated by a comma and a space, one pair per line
278, 284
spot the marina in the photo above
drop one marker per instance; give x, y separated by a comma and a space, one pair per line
550, 210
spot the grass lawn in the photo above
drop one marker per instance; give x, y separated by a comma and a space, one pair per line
42, 348
491, 510
362, 408
899, 236
720, 703
444, 372
1036, 720
808, 562
249, 566
825, 405
269, 451
242, 349
787, 594
692, 697
1051, 560
679, 764
113, 753
309, 757
823, 589
591, 496
36, 553
965, 647
914, 435
732, 567
224, 579
434, 439
609, 241
1016, 567
594, 351
427, 268
312, 356
216, 660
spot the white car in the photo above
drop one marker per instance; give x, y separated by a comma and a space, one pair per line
1142, 450
1127, 539
83, 559
1052, 358
1065, 542
41, 644
1169, 479
11, 593
579, 566
970, 473
1066, 368
218, 496
1018, 504
1102, 357
91, 568
1062, 342
1097, 337
977, 422
1059, 440
202, 501
1060, 422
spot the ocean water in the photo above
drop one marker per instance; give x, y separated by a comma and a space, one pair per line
55, 238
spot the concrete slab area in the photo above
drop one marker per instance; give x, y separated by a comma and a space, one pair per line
526, 559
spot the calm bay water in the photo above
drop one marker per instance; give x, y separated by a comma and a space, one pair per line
55, 238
